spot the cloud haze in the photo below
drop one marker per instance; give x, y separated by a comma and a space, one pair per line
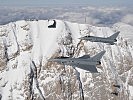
91, 15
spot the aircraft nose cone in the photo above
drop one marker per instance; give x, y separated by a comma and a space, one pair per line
51, 59
81, 38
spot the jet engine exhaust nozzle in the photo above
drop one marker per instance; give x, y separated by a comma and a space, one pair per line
98, 63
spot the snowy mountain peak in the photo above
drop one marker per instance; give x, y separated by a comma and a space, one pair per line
25, 47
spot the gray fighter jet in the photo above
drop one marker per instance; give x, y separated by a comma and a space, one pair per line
110, 40
85, 62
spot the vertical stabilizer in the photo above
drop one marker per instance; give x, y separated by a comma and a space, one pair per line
98, 56
114, 36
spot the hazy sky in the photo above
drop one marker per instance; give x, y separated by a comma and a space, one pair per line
66, 2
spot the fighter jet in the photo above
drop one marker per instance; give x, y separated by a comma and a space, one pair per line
85, 62
110, 40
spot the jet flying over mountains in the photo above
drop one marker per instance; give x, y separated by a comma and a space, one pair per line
85, 62
110, 40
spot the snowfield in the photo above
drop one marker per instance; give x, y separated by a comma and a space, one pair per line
25, 73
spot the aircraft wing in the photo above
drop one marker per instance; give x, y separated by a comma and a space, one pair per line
90, 68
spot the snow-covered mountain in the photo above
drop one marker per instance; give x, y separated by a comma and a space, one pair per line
25, 73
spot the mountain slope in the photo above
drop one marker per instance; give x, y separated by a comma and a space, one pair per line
27, 75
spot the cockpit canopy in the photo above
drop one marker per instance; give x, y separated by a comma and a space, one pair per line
88, 36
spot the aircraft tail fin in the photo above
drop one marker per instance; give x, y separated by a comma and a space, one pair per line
114, 36
98, 56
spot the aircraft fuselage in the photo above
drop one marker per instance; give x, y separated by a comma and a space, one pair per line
76, 61
100, 39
